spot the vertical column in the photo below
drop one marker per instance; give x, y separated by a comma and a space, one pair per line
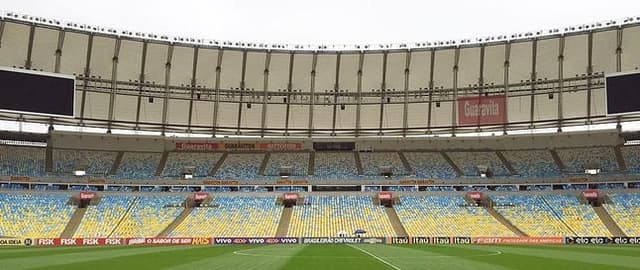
27, 62
289, 89
534, 53
405, 112
194, 83
141, 83
58, 52
336, 86
560, 81
167, 88
216, 102
507, 65
312, 89
383, 90
429, 114
480, 82
242, 86
454, 103
619, 66
114, 82
359, 94
265, 88
589, 75
86, 75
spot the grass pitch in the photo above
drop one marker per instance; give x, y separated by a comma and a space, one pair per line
364, 256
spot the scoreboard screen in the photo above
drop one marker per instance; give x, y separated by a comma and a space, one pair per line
34, 92
623, 93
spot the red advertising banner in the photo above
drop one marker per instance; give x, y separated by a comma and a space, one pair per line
476, 195
87, 195
385, 195
200, 196
590, 194
279, 146
212, 146
192, 146
290, 196
518, 240
481, 110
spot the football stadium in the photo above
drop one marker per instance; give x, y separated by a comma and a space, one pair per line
124, 149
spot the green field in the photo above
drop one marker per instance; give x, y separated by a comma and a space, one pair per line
364, 256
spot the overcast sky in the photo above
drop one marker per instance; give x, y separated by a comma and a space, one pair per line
329, 21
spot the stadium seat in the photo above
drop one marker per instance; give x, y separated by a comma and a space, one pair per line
34, 215
325, 216
101, 220
447, 216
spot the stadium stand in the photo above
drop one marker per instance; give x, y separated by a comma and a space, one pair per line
240, 166
430, 165
631, 156
34, 215
149, 215
335, 165
468, 162
93, 162
533, 163
323, 216
577, 159
203, 163
371, 161
299, 163
580, 218
624, 209
22, 161
530, 214
101, 220
232, 216
447, 216
138, 165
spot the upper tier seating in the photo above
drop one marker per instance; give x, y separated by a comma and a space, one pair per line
533, 163
625, 211
335, 165
531, 214
232, 216
372, 161
22, 161
203, 163
577, 159
325, 216
93, 162
242, 166
298, 161
138, 165
580, 218
631, 156
430, 165
34, 215
468, 162
101, 220
447, 216
149, 215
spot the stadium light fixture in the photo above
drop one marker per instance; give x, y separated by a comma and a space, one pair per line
79, 173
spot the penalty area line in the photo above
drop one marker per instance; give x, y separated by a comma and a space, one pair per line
375, 257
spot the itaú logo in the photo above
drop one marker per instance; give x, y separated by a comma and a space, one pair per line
485, 109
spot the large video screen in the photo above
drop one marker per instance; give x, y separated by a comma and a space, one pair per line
623, 93
36, 92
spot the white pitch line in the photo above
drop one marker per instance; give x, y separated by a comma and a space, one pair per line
375, 257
